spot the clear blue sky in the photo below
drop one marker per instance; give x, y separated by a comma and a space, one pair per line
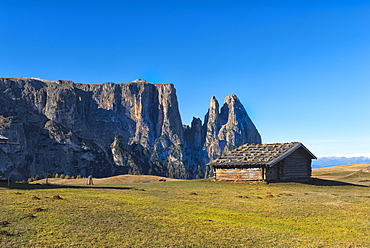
301, 68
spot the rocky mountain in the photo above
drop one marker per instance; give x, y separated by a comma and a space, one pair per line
112, 128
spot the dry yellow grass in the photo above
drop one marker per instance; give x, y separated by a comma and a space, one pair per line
353, 173
339, 171
122, 179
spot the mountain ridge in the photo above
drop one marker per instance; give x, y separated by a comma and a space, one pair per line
112, 128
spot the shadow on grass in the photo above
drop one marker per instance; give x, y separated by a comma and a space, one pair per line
21, 186
320, 182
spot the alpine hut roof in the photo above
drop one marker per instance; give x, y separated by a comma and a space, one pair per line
250, 155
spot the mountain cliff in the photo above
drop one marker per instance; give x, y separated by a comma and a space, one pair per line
112, 128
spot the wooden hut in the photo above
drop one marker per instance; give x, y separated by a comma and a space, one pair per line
267, 162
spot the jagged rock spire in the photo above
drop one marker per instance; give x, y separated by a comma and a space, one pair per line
228, 129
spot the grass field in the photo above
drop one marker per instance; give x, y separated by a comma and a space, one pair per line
194, 213
353, 173
122, 179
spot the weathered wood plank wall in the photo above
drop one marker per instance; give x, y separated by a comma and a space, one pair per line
296, 165
272, 173
239, 174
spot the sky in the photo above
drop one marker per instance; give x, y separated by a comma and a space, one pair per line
301, 68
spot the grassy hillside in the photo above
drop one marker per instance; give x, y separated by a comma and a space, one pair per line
192, 213
353, 173
122, 179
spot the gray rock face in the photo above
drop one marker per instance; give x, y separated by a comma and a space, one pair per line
229, 129
108, 129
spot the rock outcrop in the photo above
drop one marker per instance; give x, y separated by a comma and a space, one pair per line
228, 129
113, 128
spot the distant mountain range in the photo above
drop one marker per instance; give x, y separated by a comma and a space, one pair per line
334, 161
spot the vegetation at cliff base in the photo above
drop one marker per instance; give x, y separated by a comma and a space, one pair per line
194, 213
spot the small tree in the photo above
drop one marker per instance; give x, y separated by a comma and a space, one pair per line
56, 175
31, 179
61, 176
78, 177
37, 177
67, 177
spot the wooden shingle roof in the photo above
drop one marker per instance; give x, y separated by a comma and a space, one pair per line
249, 155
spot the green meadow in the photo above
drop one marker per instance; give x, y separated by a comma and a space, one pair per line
194, 213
